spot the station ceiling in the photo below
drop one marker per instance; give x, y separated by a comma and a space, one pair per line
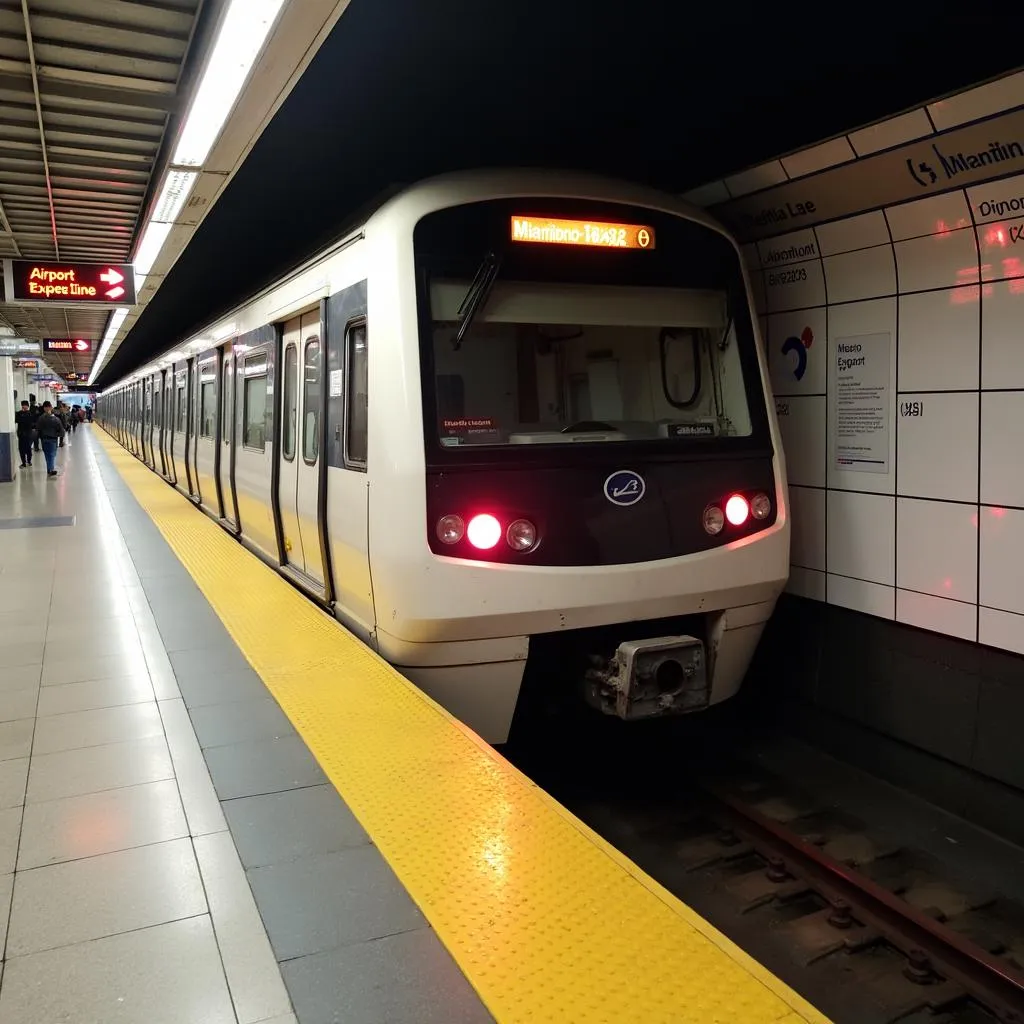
673, 95
89, 90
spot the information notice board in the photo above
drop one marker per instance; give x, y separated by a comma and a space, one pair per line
859, 399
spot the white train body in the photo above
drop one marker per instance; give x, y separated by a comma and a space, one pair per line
383, 440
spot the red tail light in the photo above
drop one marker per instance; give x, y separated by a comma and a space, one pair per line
483, 531
737, 510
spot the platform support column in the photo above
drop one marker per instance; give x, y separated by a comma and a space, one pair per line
8, 441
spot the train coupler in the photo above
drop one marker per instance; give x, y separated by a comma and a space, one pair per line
664, 675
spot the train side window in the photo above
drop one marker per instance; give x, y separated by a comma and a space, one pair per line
207, 400
182, 408
356, 426
254, 402
290, 395
225, 406
311, 401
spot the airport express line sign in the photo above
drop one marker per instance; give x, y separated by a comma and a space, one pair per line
45, 283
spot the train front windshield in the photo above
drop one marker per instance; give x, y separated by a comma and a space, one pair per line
622, 326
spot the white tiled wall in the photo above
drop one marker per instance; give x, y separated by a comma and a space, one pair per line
927, 527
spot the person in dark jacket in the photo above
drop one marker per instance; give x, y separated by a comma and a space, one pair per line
26, 424
36, 413
61, 412
50, 430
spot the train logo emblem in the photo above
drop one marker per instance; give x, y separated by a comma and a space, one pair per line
799, 346
624, 487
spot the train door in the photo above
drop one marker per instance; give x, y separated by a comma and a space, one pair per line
226, 444
203, 445
147, 425
170, 411
310, 478
288, 471
192, 377
138, 401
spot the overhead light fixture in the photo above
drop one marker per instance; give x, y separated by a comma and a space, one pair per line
153, 239
174, 193
116, 319
242, 35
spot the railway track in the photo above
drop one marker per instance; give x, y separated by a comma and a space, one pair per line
872, 930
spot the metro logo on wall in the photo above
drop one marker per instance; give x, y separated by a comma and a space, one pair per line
42, 282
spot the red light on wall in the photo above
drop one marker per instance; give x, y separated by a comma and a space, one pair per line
483, 531
737, 510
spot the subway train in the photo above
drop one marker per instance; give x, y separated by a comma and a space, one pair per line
516, 424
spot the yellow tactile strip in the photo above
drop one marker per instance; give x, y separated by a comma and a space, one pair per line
546, 920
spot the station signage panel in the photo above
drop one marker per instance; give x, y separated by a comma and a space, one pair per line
18, 347
45, 282
67, 345
26, 364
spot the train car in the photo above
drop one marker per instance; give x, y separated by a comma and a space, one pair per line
515, 422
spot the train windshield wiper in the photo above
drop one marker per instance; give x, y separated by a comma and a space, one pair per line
476, 296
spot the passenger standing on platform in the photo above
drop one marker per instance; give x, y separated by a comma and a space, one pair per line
50, 430
36, 413
61, 412
26, 424
74, 418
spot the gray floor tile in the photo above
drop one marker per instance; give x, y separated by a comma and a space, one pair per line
253, 976
200, 689
279, 827
116, 892
334, 899
14, 653
118, 644
10, 830
260, 718
87, 621
209, 661
12, 632
21, 616
16, 738
77, 670
202, 808
92, 769
13, 774
16, 704
97, 693
132, 816
401, 979
262, 766
97, 727
170, 974
6, 887
184, 635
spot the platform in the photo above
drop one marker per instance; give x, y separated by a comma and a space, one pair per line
216, 805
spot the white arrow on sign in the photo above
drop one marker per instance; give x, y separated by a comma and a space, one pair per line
112, 276
81, 345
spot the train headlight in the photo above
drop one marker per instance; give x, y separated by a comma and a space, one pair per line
714, 520
521, 535
450, 529
737, 510
760, 506
484, 531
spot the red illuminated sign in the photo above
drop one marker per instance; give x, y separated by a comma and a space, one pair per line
41, 282
67, 345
